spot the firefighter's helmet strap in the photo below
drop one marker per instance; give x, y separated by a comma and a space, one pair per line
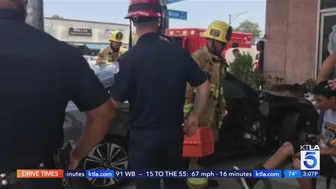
213, 49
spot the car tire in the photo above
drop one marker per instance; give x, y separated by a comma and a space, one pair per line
290, 130
117, 159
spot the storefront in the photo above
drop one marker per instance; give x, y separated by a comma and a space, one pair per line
300, 35
89, 36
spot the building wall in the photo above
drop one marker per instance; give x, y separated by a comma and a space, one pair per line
59, 28
291, 27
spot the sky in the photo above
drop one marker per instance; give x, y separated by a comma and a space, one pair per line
200, 12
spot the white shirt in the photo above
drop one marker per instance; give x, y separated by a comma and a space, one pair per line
329, 131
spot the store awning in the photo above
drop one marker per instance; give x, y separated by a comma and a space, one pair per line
95, 46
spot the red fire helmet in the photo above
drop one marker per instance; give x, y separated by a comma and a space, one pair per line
144, 8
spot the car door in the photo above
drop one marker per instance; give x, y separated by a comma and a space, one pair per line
75, 120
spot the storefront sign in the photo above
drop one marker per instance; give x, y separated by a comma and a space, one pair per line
108, 32
80, 32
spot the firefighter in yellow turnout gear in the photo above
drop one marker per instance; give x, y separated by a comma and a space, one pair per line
211, 62
110, 54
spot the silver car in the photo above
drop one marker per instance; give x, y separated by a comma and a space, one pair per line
90, 59
111, 153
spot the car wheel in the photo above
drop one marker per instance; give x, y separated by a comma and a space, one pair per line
291, 129
110, 154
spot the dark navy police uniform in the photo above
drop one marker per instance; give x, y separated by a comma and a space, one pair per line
152, 78
38, 76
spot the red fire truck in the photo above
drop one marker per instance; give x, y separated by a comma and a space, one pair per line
191, 39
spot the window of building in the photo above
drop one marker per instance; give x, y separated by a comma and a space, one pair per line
326, 4
327, 40
328, 33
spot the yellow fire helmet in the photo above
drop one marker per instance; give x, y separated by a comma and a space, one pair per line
219, 31
117, 36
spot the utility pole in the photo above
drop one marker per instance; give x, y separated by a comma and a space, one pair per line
235, 16
35, 16
230, 17
165, 18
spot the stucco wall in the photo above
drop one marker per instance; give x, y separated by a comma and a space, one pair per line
60, 30
291, 39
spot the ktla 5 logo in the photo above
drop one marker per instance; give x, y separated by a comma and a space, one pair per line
310, 157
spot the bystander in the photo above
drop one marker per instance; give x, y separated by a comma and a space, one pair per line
260, 48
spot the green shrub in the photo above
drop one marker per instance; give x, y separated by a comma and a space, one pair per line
243, 68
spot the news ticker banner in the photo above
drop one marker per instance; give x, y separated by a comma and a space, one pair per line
50, 173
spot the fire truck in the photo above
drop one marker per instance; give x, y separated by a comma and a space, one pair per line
192, 40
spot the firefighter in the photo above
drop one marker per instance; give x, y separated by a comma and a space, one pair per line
209, 59
134, 38
111, 54
152, 77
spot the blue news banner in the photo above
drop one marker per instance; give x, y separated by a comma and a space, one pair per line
301, 174
173, 174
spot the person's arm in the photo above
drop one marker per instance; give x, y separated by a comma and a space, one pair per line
331, 151
90, 96
100, 56
201, 98
189, 98
197, 78
120, 88
123, 50
327, 68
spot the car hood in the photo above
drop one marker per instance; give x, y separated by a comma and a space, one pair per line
105, 73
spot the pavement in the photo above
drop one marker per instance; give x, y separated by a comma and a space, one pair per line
248, 162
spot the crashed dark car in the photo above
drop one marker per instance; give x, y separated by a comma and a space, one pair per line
256, 119
111, 153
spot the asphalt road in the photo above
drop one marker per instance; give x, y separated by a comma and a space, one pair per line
248, 162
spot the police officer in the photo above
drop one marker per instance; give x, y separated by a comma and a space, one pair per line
37, 83
152, 78
111, 53
211, 62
